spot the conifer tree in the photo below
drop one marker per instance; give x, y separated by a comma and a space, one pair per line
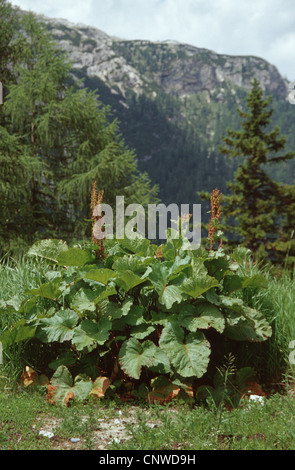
40, 83
16, 163
257, 202
67, 132
11, 42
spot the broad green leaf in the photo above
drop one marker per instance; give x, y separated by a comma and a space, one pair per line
48, 249
115, 311
135, 316
198, 285
10, 306
50, 290
66, 389
223, 300
60, 327
235, 282
22, 330
246, 324
168, 294
134, 355
255, 281
161, 364
177, 265
242, 322
105, 293
171, 248
209, 317
202, 316
218, 267
84, 300
127, 280
102, 275
75, 257
241, 254
62, 377
68, 358
232, 283
90, 333
141, 331
29, 306
131, 263
198, 267
159, 276
189, 356
203, 322
140, 246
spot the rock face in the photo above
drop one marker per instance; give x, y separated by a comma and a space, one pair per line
207, 71
178, 69
91, 50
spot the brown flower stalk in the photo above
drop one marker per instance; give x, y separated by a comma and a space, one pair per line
215, 216
96, 200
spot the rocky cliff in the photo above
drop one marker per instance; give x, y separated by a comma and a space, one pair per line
178, 69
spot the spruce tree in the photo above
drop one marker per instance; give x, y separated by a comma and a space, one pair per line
257, 202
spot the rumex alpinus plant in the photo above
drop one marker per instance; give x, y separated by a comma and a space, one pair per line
213, 230
140, 314
97, 238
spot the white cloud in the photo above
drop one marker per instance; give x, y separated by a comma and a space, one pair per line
264, 28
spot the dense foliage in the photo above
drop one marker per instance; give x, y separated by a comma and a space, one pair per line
139, 313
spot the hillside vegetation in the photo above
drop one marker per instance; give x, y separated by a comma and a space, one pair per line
90, 321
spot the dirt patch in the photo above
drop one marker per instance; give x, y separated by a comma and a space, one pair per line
105, 431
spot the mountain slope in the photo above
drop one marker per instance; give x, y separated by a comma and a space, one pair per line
174, 102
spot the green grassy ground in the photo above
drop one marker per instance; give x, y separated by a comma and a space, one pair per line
113, 424
118, 426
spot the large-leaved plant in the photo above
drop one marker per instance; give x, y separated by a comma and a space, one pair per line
138, 312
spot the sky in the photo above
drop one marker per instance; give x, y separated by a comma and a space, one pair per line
263, 28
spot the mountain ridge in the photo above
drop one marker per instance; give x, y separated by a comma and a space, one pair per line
231, 67
173, 102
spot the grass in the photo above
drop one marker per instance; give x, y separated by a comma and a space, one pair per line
277, 302
113, 424
17, 276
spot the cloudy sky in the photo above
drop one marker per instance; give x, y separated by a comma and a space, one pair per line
264, 28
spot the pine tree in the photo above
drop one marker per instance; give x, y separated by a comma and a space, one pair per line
257, 202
